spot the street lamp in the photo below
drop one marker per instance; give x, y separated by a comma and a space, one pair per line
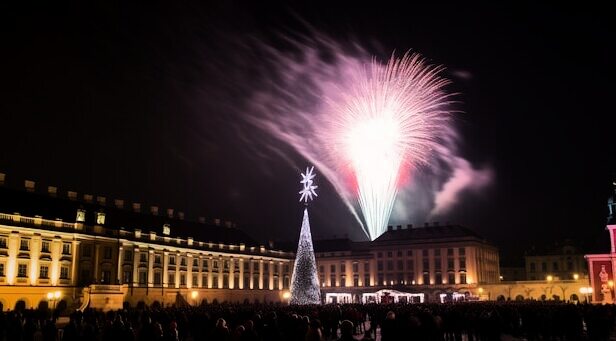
54, 297
194, 294
576, 276
549, 278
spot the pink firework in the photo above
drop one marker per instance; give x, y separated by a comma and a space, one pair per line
388, 116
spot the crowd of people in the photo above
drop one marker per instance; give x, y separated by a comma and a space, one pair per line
475, 321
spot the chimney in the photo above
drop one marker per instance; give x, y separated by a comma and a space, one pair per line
181, 215
399, 227
87, 198
409, 226
390, 228
101, 200
72, 195
170, 212
2, 178
202, 220
29, 184
53, 191
119, 203
136, 207
154, 210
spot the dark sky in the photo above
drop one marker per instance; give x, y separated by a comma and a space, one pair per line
113, 99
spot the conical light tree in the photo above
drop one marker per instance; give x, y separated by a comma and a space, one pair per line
305, 282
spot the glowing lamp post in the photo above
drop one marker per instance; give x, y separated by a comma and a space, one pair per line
54, 297
194, 295
576, 277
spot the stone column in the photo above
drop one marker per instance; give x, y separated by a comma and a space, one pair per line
231, 273
136, 256
189, 274
75, 261
241, 278
120, 260
35, 254
150, 268
261, 285
165, 269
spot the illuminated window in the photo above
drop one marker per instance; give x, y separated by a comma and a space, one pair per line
100, 218
44, 273
22, 270
81, 216
64, 272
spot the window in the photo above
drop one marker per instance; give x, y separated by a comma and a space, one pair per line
171, 260
451, 278
390, 265
569, 266
462, 251
343, 281
355, 267
195, 263
127, 277
409, 253
437, 252
379, 254
390, 254
143, 277
143, 257
438, 278
266, 267
195, 281
555, 266
215, 264
332, 268
22, 270
437, 263
1, 269
366, 280
246, 266
44, 273
171, 279
107, 252
128, 255
3, 243
206, 264
426, 265
255, 282
45, 246
24, 245
544, 267
342, 268
399, 253
183, 280
381, 280
450, 252
286, 268
66, 249
182, 261
379, 265
215, 281
157, 259
426, 279
450, 264
285, 282
366, 267
533, 268
410, 265
255, 266
157, 278
355, 281
462, 263
87, 251
332, 280
400, 265
463, 278
64, 272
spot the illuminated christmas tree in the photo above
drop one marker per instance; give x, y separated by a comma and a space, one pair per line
305, 282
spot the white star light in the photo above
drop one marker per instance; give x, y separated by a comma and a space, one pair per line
308, 191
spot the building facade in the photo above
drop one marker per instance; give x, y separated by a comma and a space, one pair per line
431, 263
88, 253
563, 261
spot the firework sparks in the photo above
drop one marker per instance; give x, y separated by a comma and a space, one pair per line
391, 116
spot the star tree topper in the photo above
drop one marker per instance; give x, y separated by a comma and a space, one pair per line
308, 191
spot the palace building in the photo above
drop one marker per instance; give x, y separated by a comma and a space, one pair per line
86, 251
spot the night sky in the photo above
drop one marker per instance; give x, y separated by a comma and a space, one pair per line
132, 101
